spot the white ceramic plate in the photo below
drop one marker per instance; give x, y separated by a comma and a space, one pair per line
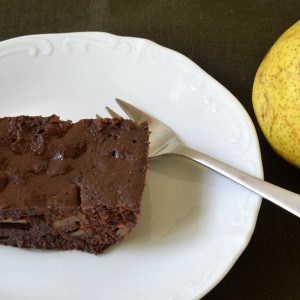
194, 223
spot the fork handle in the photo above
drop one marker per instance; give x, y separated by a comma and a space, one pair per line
288, 200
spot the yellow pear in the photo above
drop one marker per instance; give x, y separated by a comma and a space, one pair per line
276, 95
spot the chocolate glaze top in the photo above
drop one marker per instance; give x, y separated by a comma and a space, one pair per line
49, 163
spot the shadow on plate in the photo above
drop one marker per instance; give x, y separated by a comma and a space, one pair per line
172, 204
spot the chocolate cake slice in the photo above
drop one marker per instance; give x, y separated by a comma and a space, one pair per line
67, 185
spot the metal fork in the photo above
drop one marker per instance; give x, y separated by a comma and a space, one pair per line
164, 142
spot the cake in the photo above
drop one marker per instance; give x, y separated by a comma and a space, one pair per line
70, 186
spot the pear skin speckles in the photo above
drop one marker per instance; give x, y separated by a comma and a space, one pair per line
276, 95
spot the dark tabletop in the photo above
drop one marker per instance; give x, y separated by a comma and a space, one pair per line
228, 39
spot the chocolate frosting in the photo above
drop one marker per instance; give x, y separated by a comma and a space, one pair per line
54, 164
